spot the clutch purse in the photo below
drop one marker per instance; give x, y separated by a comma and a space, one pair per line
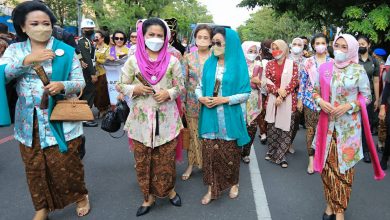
72, 110
216, 87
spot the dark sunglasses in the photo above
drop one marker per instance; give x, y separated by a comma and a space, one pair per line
119, 38
133, 36
217, 43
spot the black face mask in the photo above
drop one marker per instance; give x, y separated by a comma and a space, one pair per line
362, 50
89, 33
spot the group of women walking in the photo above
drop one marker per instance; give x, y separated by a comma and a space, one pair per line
227, 90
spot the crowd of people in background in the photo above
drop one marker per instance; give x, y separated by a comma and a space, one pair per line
223, 91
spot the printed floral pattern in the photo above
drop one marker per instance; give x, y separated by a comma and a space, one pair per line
253, 105
346, 84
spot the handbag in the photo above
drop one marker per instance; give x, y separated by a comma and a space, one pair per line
122, 110
72, 110
186, 134
111, 122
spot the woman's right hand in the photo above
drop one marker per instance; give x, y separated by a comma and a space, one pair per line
326, 106
142, 90
206, 101
39, 56
382, 112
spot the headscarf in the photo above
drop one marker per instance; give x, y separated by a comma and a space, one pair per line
235, 81
246, 46
353, 48
296, 57
150, 69
282, 46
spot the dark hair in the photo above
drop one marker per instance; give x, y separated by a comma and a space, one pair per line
154, 21
316, 36
364, 38
101, 33
21, 11
265, 49
219, 30
304, 38
203, 27
119, 32
3, 28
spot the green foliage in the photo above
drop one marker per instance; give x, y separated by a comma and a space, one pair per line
64, 10
371, 22
265, 24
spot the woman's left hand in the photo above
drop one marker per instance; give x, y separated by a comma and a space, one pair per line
218, 101
54, 88
161, 96
341, 110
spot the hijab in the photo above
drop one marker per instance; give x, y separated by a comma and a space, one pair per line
282, 46
352, 53
294, 56
152, 69
235, 81
246, 46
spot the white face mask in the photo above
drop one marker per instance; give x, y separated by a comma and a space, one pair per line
218, 51
320, 49
251, 56
340, 56
154, 44
296, 50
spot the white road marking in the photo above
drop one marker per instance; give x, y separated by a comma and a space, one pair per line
261, 202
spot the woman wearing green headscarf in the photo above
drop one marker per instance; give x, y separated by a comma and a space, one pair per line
223, 92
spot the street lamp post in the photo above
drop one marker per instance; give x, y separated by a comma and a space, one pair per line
79, 4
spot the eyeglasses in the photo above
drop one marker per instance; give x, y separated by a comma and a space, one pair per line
217, 43
119, 38
133, 36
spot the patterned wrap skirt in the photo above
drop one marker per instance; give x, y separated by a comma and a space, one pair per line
261, 120
55, 179
279, 141
102, 99
194, 152
337, 186
156, 168
252, 129
382, 131
221, 165
311, 121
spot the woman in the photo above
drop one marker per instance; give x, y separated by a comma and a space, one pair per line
297, 55
154, 122
193, 64
224, 86
305, 94
282, 83
339, 91
253, 106
118, 50
47, 148
102, 99
266, 56
371, 66
3, 46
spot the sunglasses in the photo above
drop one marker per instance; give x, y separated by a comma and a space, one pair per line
133, 36
217, 43
119, 38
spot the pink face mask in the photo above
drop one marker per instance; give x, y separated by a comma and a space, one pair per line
320, 49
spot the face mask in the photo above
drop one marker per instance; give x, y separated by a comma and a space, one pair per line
277, 54
218, 51
296, 50
362, 50
154, 44
202, 43
89, 33
340, 56
320, 48
251, 56
40, 33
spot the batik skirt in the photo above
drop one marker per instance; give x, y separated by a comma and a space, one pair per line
195, 149
252, 129
311, 121
102, 99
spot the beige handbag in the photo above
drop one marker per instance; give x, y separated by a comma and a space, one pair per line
72, 110
186, 134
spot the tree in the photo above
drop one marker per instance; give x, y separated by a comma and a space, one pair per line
265, 24
347, 13
64, 10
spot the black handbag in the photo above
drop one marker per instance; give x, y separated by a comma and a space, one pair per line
111, 122
122, 110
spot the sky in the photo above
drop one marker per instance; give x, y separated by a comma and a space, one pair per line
226, 12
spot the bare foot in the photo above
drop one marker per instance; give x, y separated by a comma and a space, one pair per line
207, 197
310, 167
41, 214
186, 175
83, 207
234, 192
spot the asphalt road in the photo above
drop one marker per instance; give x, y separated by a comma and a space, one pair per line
114, 193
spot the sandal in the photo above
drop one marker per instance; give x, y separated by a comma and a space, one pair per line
83, 211
206, 198
267, 158
284, 164
233, 192
186, 175
246, 159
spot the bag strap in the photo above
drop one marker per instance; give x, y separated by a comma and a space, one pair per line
123, 134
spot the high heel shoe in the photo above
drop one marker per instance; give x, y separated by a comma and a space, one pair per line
143, 210
176, 201
328, 217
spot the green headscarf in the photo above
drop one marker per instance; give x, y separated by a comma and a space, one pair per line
235, 81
